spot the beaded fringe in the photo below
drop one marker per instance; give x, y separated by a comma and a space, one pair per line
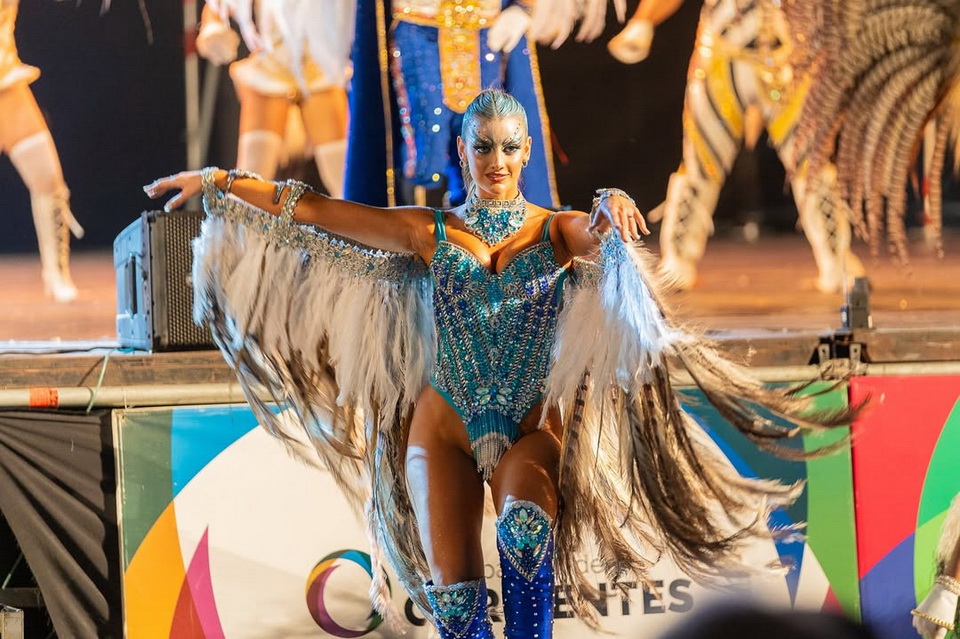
491, 435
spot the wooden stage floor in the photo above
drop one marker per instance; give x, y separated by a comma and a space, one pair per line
746, 291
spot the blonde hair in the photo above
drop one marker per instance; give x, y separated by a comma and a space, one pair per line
490, 104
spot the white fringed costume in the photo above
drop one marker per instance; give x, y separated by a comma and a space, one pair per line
297, 46
344, 337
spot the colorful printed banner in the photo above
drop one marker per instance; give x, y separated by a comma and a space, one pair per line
225, 535
906, 473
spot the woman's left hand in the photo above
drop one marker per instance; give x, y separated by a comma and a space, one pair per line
618, 212
189, 183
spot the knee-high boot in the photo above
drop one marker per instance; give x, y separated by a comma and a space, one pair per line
687, 215
525, 542
36, 159
460, 610
53, 221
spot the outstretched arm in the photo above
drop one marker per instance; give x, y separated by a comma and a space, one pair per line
401, 229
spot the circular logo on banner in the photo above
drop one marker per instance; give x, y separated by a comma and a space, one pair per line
319, 586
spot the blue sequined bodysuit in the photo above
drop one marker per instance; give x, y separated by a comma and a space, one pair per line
494, 334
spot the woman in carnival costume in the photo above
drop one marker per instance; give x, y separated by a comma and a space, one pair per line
428, 352
25, 137
299, 60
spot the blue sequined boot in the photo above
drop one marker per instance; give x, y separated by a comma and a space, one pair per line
460, 610
525, 542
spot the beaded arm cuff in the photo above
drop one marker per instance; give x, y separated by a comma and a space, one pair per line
588, 272
208, 181
602, 194
351, 258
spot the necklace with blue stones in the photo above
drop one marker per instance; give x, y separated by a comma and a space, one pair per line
493, 221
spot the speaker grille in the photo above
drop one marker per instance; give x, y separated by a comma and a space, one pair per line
179, 232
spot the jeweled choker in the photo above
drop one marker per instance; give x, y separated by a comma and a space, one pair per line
493, 221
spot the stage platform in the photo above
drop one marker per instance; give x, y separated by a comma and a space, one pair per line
756, 299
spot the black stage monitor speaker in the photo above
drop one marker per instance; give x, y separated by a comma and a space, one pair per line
153, 258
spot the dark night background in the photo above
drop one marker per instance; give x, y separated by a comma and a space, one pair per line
115, 105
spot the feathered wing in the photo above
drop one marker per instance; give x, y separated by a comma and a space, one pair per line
634, 465
338, 334
883, 71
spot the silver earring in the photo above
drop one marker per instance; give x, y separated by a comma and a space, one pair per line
525, 163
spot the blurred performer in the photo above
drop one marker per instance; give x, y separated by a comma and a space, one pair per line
25, 137
883, 72
417, 65
739, 83
936, 615
269, 85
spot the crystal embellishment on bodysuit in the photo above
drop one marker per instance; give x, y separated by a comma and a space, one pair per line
493, 221
495, 333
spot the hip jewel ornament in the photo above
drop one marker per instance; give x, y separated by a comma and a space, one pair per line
493, 221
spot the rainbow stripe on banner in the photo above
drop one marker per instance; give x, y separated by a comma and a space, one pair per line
906, 474
825, 573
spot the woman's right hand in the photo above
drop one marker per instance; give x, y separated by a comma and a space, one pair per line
189, 183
